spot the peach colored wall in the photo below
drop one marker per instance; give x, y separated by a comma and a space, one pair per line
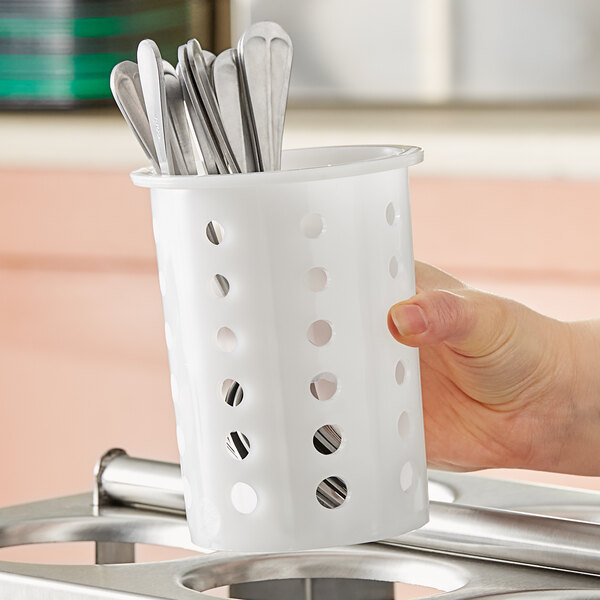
83, 364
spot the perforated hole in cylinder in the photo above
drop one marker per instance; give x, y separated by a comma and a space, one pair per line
332, 492
226, 340
319, 333
215, 232
312, 226
317, 279
404, 425
238, 445
399, 372
406, 476
393, 267
327, 439
232, 392
244, 498
219, 284
390, 214
324, 386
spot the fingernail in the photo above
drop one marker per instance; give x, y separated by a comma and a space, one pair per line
409, 319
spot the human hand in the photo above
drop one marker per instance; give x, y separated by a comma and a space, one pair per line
503, 386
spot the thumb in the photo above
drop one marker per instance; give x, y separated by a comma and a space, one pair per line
469, 320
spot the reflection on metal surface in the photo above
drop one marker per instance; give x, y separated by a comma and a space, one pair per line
440, 492
547, 595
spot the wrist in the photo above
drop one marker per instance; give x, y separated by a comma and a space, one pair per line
580, 453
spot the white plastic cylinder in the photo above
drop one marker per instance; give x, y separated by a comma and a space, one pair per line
299, 417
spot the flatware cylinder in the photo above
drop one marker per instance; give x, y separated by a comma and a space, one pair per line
299, 417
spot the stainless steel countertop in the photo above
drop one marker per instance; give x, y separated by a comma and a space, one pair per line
473, 547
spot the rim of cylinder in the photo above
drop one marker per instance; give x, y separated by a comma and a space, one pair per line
330, 162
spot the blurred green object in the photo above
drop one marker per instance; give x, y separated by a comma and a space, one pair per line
92, 26
59, 53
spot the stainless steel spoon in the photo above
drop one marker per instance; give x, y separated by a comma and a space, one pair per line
206, 92
180, 141
127, 92
213, 160
233, 110
153, 86
209, 59
266, 52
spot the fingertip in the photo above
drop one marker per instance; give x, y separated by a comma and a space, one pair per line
409, 318
407, 322
392, 326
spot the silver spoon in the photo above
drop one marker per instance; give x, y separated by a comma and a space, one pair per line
213, 160
202, 79
180, 141
209, 59
265, 52
233, 111
153, 87
127, 92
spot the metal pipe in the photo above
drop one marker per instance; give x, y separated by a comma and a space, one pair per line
494, 534
135, 481
508, 536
